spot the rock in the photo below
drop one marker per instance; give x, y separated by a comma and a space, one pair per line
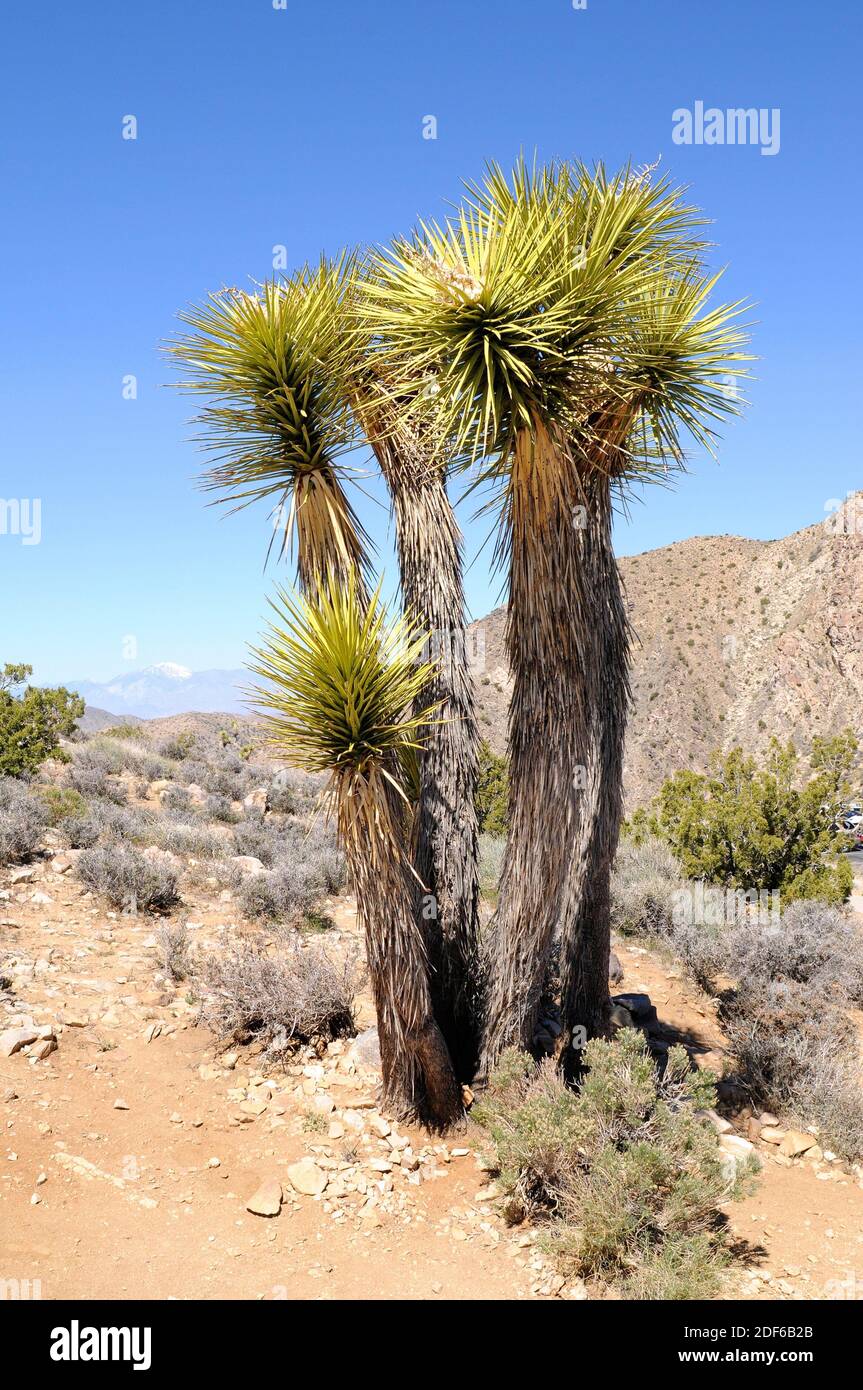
163, 857
307, 1177
43, 1049
267, 1201
62, 863
639, 1006
196, 794
366, 1048
620, 1017
14, 1039
247, 864
735, 1153
797, 1142
258, 800
767, 1119
772, 1134
719, 1124
23, 874
120, 1104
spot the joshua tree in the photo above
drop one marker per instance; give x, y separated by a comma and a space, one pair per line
293, 388
561, 318
340, 679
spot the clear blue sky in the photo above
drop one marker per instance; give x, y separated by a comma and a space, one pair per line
303, 126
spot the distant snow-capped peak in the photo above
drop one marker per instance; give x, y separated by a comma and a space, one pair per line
170, 669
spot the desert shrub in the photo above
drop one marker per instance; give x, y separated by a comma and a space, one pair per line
90, 779
172, 944
61, 803
81, 832
176, 799
176, 748
626, 1173
181, 836
647, 895
300, 995
283, 894
492, 791
798, 1054
645, 878
750, 827
326, 862
129, 880
32, 721
111, 822
491, 849
281, 795
220, 808
124, 731
813, 944
264, 840
22, 823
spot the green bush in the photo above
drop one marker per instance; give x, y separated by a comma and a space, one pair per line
492, 791
32, 721
751, 827
61, 803
626, 1173
124, 731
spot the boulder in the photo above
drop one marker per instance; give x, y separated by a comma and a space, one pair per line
15, 1038
797, 1142
307, 1177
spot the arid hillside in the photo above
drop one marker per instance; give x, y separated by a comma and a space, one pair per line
733, 640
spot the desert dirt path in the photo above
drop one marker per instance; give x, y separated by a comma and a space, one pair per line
126, 1163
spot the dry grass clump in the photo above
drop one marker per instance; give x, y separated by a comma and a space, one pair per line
626, 1173
172, 943
299, 995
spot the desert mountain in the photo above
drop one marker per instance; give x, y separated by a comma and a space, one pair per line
166, 689
733, 640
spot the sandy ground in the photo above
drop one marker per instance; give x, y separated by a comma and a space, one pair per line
107, 1200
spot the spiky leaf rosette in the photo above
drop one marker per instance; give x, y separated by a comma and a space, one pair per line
274, 364
341, 678
562, 297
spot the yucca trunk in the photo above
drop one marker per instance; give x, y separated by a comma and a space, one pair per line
430, 561
548, 616
585, 928
418, 1076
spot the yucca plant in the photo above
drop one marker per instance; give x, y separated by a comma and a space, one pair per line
277, 421
559, 315
291, 389
341, 682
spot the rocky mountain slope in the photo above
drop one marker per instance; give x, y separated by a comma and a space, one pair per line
733, 640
